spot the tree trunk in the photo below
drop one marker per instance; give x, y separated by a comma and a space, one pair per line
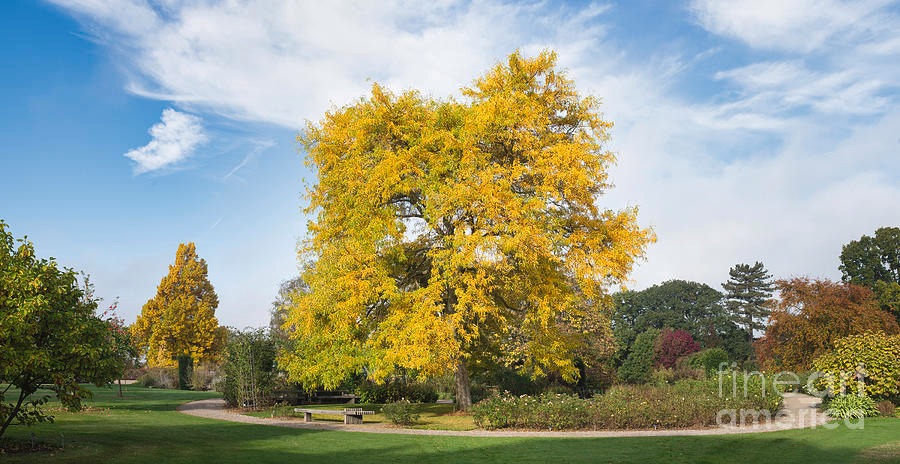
120, 386
750, 329
463, 392
15, 410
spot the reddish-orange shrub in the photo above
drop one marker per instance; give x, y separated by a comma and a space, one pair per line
810, 315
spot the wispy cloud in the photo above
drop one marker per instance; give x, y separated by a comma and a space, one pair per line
174, 138
284, 62
216, 224
796, 25
259, 147
786, 151
835, 59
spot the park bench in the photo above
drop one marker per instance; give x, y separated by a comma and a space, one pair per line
351, 415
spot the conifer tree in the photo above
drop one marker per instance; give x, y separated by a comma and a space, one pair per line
180, 319
747, 292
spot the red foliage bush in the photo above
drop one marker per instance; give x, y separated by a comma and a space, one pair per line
671, 345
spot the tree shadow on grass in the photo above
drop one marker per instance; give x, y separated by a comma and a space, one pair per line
184, 439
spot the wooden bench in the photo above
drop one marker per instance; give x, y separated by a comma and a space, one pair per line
351, 415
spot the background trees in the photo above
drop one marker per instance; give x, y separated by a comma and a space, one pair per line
678, 304
49, 334
449, 229
180, 319
810, 315
289, 293
747, 293
875, 263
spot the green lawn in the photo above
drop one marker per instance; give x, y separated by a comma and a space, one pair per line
145, 428
431, 416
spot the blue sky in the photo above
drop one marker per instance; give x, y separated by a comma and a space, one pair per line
746, 130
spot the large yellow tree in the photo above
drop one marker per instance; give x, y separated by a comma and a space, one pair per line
181, 318
449, 231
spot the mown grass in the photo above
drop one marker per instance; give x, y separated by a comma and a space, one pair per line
431, 416
145, 428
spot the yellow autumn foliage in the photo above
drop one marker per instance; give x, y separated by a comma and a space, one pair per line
180, 319
873, 355
449, 230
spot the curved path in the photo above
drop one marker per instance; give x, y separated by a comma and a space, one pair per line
799, 412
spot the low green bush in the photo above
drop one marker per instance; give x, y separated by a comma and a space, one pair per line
686, 403
851, 407
682, 371
400, 412
545, 411
710, 360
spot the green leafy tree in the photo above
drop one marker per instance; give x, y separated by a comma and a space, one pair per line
446, 231
126, 351
747, 292
639, 363
181, 319
677, 304
289, 294
875, 263
49, 335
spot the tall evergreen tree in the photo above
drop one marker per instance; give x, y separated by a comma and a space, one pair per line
181, 319
747, 291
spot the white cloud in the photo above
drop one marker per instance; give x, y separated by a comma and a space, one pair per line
795, 25
284, 62
835, 59
791, 156
175, 138
779, 86
791, 205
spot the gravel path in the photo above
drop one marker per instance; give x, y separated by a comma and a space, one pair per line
799, 412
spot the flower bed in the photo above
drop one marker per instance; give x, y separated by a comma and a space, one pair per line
688, 403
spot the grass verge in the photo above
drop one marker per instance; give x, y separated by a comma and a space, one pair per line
144, 427
431, 416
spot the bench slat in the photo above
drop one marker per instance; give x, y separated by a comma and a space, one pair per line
334, 412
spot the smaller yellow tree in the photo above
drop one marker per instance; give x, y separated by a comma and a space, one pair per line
180, 319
